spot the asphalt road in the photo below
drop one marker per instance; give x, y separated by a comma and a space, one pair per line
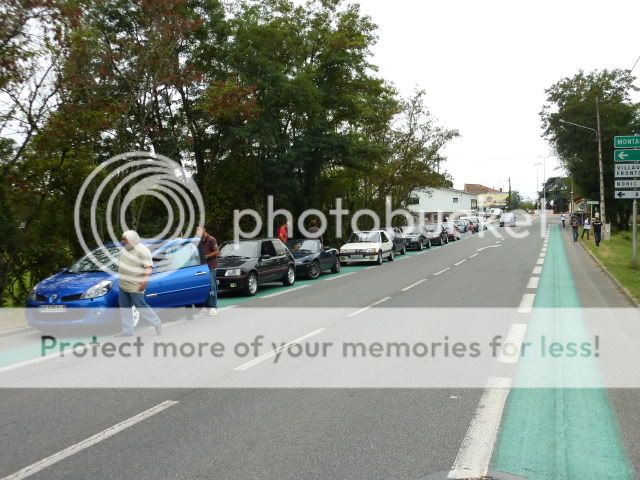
368, 433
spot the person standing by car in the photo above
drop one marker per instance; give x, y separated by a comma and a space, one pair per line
283, 231
586, 227
597, 229
314, 231
134, 269
562, 219
574, 227
209, 251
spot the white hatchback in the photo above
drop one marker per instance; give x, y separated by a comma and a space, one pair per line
368, 246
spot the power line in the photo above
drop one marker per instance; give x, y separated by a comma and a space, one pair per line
634, 65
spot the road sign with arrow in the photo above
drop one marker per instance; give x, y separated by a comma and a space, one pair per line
627, 156
622, 194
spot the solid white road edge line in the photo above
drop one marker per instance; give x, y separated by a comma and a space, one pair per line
272, 353
342, 275
514, 340
415, 284
88, 442
526, 303
441, 271
358, 312
533, 282
477, 446
277, 294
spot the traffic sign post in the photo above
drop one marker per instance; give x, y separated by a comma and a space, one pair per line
626, 141
630, 171
626, 155
624, 194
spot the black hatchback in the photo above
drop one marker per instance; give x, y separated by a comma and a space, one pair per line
244, 265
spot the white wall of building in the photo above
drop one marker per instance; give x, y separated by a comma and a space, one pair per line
445, 200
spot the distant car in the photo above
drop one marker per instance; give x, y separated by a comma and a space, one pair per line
436, 233
416, 237
367, 246
245, 265
397, 237
312, 258
453, 231
474, 224
463, 225
508, 219
85, 295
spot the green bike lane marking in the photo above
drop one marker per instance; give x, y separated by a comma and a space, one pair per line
559, 433
34, 350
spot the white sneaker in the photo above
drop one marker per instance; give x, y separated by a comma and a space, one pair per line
212, 311
203, 311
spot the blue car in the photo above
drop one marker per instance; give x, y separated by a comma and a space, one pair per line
84, 295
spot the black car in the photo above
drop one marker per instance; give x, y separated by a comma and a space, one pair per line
244, 265
437, 233
312, 258
416, 237
397, 237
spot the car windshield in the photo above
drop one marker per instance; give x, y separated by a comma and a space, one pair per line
432, 227
101, 259
412, 230
364, 237
240, 249
303, 245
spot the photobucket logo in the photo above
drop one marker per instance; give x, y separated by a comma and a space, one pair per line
110, 191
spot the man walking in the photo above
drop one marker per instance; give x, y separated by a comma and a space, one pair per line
586, 227
574, 228
562, 219
209, 251
597, 229
134, 268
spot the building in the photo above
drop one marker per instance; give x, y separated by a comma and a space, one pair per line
428, 205
479, 189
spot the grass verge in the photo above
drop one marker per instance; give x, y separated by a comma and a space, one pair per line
615, 255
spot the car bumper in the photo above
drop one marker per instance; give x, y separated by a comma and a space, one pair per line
357, 258
302, 268
231, 284
73, 317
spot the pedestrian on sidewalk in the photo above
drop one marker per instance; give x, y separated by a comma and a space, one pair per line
563, 219
574, 227
586, 227
597, 229
134, 269
209, 251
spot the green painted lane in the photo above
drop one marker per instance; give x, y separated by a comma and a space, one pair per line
559, 433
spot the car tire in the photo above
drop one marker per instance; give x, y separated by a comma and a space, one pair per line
336, 266
251, 288
314, 270
404, 250
379, 260
391, 255
428, 243
446, 240
420, 246
290, 277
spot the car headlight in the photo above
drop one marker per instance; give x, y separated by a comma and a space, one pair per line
236, 272
372, 250
33, 295
98, 290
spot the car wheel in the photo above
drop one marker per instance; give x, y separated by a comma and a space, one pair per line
404, 250
420, 246
252, 284
379, 260
336, 266
446, 240
135, 313
314, 270
290, 277
428, 243
392, 255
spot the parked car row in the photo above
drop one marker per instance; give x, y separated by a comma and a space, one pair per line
86, 293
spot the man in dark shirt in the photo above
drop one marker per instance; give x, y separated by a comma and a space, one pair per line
574, 227
208, 248
597, 229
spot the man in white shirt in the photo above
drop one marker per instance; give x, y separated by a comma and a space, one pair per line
134, 269
586, 227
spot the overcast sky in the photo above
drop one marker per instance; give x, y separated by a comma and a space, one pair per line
485, 65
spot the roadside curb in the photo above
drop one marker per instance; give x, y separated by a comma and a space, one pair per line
622, 288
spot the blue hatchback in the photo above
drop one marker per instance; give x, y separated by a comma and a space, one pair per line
86, 295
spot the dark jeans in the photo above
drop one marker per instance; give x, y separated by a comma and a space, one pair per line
212, 301
587, 232
597, 235
563, 223
136, 299
575, 234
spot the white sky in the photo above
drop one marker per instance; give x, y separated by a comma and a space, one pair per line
485, 65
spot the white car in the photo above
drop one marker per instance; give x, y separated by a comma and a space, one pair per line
369, 246
508, 219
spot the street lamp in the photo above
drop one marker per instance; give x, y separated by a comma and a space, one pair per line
598, 133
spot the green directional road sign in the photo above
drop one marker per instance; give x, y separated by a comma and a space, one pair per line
626, 155
627, 141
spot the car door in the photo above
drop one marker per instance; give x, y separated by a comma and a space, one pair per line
268, 267
180, 277
283, 258
387, 244
326, 258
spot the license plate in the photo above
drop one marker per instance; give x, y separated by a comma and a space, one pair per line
53, 308
357, 256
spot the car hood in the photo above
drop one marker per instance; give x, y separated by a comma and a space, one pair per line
359, 246
233, 262
64, 284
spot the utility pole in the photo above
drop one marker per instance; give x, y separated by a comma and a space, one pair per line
599, 135
510, 201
